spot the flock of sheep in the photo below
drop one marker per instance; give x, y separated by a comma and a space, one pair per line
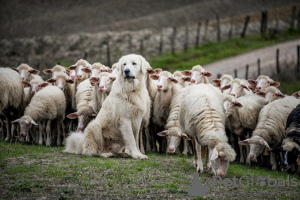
130, 109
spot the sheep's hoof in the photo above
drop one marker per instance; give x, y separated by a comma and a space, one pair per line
241, 160
274, 168
7, 139
184, 153
139, 156
48, 144
40, 142
200, 170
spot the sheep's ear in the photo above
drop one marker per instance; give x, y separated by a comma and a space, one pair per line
72, 67
244, 142
252, 82
48, 71
184, 136
86, 70
238, 104
93, 115
34, 71
296, 94
163, 133
262, 94
15, 69
26, 84
186, 72
44, 84
226, 87
245, 87
275, 83
215, 154
173, 80
16, 121
70, 81
51, 80
158, 70
187, 79
217, 82
266, 145
207, 74
280, 95
94, 80
72, 115
154, 76
150, 71
33, 122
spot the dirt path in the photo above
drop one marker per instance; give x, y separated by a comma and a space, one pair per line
288, 53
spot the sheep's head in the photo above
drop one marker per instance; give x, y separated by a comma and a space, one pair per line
271, 94
197, 74
257, 146
237, 87
25, 124
25, 71
174, 136
61, 81
230, 105
224, 80
262, 82
165, 80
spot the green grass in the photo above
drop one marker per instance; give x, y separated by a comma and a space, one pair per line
213, 51
31, 171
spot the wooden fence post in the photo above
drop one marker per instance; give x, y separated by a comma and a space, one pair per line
173, 40
247, 71
108, 53
292, 24
247, 19
277, 61
298, 22
205, 29
142, 46
235, 73
219, 76
161, 42
198, 34
231, 27
218, 28
85, 55
258, 67
298, 58
186, 38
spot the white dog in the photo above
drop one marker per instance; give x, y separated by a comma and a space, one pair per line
118, 123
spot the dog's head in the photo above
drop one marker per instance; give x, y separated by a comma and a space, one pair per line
132, 67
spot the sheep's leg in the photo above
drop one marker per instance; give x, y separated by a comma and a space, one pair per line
7, 130
195, 153
58, 133
199, 163
48, 131
242, 159
142, 149
185, 148
41, 133
208, 162
64, 132
129, 140
147, 133
273, 161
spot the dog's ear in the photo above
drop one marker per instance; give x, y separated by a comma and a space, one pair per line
144, 65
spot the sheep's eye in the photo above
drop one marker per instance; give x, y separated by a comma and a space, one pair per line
133, 63
178, 137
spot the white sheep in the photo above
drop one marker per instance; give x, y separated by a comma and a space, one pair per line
12, 102
262, 82
270, 94
46, 105
238, 87
182, 80
242, 113
80, 71
26, 72
56, 69
197, 75
221, 82
270, 129
202, 117
84, 111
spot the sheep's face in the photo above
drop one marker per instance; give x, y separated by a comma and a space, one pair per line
218, 164
174, 136
25, 124
231, 106
105, 83
262, 84
96, 71
82, 71
236, 90
257, 146
83, 119
165, 80
272, 96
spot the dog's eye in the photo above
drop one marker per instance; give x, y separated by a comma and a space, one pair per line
133, 63
124, 64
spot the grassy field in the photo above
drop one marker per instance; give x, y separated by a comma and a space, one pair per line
39, 172
213, 51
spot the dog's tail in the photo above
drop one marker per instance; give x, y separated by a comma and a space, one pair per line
74, 143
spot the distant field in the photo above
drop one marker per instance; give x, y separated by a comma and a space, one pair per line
36, 172
27, 19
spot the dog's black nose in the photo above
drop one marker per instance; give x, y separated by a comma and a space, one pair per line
127, 71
